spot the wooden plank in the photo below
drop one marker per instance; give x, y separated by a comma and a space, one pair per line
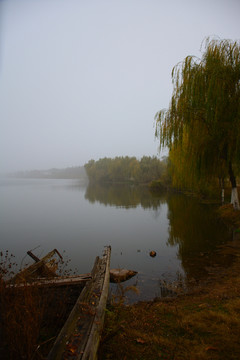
34, 257
45, 267
80, 336
50, 255
59, 281
90, 352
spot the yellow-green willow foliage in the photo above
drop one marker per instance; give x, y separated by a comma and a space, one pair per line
179, 159
203, 119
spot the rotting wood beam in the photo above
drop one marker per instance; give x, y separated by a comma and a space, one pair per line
34, 257
80, 336
45, 266
54, 282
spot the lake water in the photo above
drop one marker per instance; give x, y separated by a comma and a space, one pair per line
43, 214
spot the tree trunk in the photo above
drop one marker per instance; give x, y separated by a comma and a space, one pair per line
234, 196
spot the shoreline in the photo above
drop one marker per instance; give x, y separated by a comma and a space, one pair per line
203, 323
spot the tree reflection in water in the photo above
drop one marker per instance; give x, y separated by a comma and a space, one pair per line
192, 228
125, 196
196, 230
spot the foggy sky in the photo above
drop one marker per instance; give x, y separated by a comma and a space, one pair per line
83, 79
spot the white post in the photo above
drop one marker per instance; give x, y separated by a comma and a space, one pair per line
234, 199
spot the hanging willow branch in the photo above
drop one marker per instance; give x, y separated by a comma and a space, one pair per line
205, 106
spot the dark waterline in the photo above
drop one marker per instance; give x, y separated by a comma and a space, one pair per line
63, 214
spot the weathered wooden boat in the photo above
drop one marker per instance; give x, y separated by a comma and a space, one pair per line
42, 268
79, 338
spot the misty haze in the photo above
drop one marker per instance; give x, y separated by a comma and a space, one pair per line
119, 150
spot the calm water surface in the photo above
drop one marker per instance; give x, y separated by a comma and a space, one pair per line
63, 214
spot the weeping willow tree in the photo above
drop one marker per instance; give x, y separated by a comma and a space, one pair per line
203, 119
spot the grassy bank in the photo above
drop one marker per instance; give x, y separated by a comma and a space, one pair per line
202, 324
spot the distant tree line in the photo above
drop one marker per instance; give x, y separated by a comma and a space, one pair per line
126, 169
67, 173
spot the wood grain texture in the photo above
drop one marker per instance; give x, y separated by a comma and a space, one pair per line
80, 336
56, 281
45, 267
